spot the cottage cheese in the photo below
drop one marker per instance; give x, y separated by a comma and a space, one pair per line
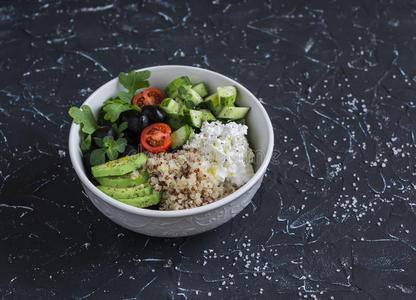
227, 151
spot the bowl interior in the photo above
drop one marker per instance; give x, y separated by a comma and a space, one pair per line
260, 134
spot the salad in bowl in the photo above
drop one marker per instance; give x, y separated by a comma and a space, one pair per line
175, 147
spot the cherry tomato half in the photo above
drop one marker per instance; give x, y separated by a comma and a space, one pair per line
149, 96
156, 137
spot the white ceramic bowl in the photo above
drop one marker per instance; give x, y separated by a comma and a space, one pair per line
189, 221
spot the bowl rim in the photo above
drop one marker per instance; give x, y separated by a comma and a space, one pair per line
73, 149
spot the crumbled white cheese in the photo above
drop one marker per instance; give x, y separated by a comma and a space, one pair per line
227, 150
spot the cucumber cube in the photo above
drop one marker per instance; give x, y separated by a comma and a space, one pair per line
189, 96
227, 95
193, 117
172, 88
213, 103
176, 121
180, 136
233, 113
207, 115
201, 89
170, 106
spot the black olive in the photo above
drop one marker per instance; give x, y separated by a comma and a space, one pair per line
154, 113
104, 131
144, 121
130, 150
132, 138
132, 119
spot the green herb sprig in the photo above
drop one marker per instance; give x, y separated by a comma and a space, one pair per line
84, 117
108, 146
132, 81
114, 107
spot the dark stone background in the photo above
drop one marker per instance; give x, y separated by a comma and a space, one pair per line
335, 217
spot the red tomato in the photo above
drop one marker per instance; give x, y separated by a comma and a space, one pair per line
156, 137
149, 96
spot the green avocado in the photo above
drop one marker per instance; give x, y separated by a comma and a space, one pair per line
143, 201
134, 178
120, 166
128, 192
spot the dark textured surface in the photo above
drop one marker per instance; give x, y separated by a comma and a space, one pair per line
335, 217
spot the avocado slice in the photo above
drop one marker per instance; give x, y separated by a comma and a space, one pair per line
120, 166
128, 192
143, 201
127, 180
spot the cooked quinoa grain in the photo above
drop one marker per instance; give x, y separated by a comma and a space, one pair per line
184, 179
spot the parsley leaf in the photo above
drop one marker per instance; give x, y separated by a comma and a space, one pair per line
113, 109
84, 117
126, 96
133, 81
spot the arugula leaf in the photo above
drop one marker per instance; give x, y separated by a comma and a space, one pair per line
85, 142
115, 107
97, 157
84, 118
133, 81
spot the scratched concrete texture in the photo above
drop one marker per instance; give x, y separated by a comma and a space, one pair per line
335, 217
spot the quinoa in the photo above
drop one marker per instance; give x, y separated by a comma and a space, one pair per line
184, 180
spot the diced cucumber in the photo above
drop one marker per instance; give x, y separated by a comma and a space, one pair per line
182, 109
227, 95
172, 88
189, 104
201, 89
190, 97
233, 113
193, 117
176, 121
207, 115
180, 136
213, 103
170, 106
181, 105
